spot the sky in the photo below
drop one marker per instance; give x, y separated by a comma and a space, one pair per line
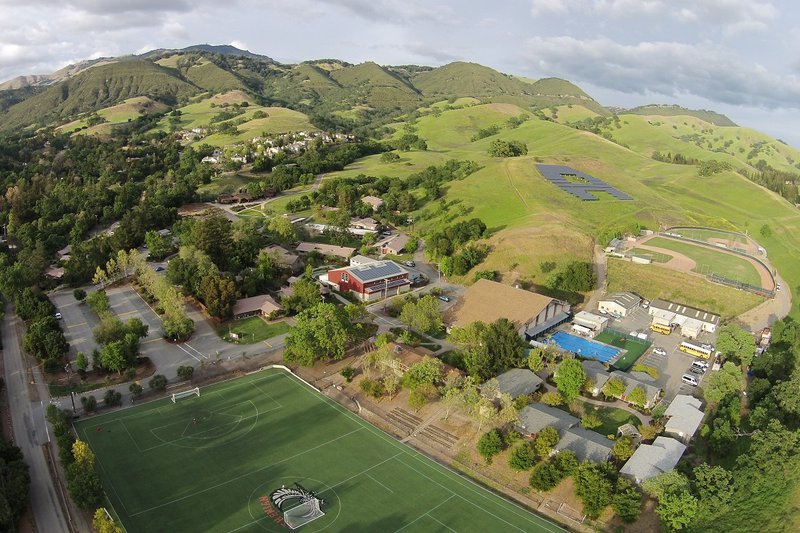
738, 57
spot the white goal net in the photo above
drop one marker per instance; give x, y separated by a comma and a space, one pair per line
191, 392
302, 514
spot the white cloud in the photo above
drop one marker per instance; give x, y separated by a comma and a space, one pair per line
175, 29
666, 68
239, 44
540, 7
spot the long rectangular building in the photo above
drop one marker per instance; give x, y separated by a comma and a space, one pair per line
370, 281
691, 321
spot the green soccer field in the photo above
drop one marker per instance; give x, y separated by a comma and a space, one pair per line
211, 464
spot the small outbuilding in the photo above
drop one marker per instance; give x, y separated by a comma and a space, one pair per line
619, 304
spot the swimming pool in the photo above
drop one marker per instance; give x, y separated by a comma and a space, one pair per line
584, 347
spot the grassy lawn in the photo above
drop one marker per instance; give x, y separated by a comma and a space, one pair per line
656, 257
225, 184
634, 349
708, 234
252, 329
214, 461
612, 418
710, 261
656, 282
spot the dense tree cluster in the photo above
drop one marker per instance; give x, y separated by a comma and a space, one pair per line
499, 148
489, 349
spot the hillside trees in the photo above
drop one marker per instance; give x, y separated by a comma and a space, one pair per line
423, 315
490, 349
499, 148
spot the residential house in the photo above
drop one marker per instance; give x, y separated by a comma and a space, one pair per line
652, 392
585, 444
394, 244
619, 304
487, 301
325, 249
54, 272
361, 260
288, 258
597, 372
371, 281
535, 417
373, 201
684, 415
518, 382
649, 460
691, 321
261, 305
64, 252
369, 224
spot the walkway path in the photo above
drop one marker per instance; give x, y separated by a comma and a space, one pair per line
600, 264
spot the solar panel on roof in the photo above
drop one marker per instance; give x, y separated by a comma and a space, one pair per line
375, 271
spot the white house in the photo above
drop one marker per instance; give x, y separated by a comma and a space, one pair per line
619, 304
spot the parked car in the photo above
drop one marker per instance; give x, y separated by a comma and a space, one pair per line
444, 298
659, 351
696, 370
410, 264
58, 316
386, 234
690, 379
701, 364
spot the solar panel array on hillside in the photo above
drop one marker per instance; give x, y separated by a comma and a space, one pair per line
555, 175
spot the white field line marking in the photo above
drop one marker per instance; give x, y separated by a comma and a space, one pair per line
265, 393
360, 473
379, 483
236, 478
443, 524
426, 512
460, 480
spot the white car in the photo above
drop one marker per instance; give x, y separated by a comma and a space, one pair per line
58, 316
659, 351
690, 379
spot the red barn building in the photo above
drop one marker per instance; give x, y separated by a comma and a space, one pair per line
372, 281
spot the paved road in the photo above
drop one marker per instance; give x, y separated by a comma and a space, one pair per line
770, 311
600, 263
30, 432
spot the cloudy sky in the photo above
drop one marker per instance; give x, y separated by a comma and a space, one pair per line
739, 57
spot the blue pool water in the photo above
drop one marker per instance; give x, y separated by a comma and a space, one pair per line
584, 347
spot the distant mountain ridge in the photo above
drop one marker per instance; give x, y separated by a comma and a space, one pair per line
173, 76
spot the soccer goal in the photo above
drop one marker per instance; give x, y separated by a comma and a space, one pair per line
183, 394
302, 514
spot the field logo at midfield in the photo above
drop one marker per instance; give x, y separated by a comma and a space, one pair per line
293, 507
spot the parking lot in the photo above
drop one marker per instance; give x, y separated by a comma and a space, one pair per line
671, 366
79, 322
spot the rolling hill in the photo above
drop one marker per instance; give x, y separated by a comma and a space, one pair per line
668, 110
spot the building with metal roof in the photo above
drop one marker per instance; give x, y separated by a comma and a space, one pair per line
370, 281
691, 321
649, 460
619, 304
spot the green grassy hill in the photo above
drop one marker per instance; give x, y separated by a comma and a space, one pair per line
97, 88
209, 76
467, 79
510, 195
375, 86
696, 138
666, 110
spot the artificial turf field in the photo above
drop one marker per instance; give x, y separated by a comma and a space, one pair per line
207, 464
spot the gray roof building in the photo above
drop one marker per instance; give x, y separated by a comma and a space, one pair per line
651, 391
518, 382
586, 445
537, 416
649, 460
628, 300
597, 372
684, 416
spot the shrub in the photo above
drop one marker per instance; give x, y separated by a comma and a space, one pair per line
347, 373
552, 399
372, 387
79, 294
185, 372
136, 389
523, 457
158, 382
112, 398
89, 403
490, 444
